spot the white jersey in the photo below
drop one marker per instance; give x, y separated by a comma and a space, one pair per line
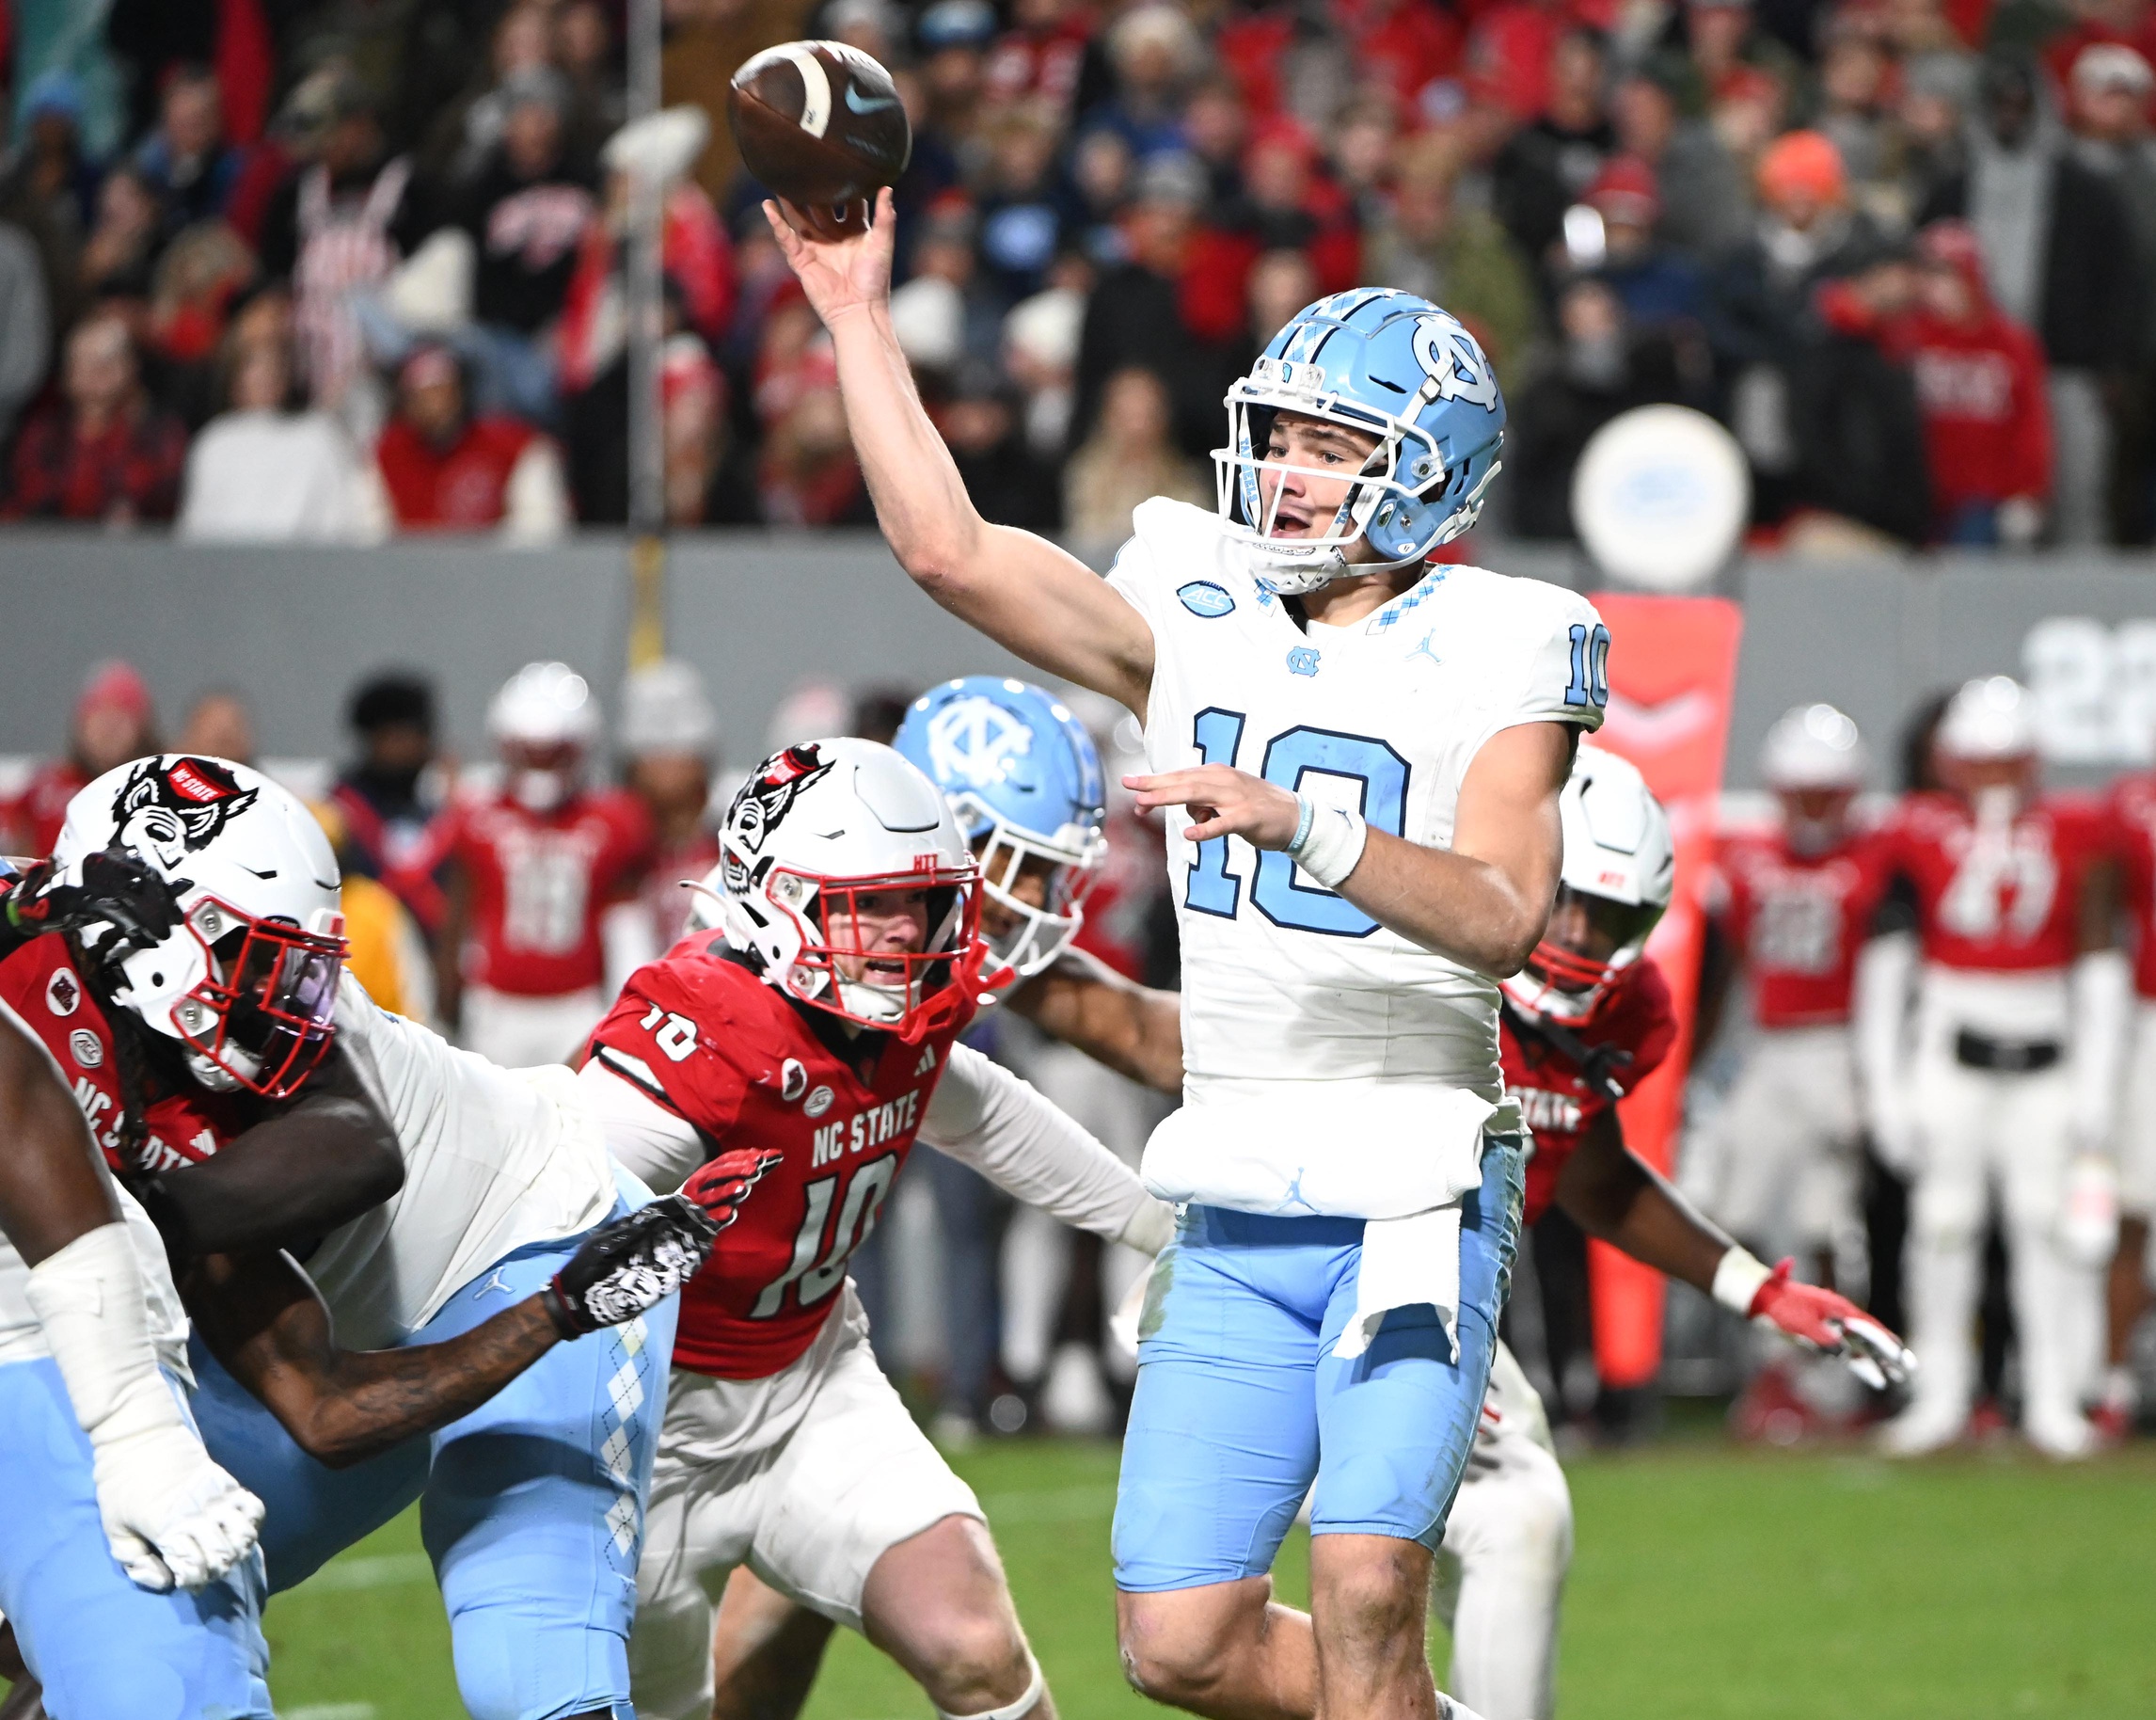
495, 1160
1287, 986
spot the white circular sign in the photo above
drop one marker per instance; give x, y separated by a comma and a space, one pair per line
1660, 497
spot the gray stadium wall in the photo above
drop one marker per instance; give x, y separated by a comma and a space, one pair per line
759, 613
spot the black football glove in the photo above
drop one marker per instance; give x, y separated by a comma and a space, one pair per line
629, 1266
720, 1184
120, 890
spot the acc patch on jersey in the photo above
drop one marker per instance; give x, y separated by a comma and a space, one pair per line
84, 1047
1203, 598
817, 1102
63, 993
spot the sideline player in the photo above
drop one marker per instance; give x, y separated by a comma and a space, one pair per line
234, 1072
1347, 904
822, 1028
534, 873
2003, 1083
127, 1565
2132, 819
1795, 907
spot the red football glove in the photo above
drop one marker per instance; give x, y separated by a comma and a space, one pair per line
720, 1184
1820, 1319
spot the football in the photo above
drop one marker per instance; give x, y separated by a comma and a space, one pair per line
822, 125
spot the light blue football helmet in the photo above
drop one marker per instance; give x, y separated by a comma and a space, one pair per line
1025, 779
1390, 365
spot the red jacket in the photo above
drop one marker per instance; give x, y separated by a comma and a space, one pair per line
1980, 390
462, 487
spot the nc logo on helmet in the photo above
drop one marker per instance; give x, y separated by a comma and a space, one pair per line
1449, 357
977, 741
171, 807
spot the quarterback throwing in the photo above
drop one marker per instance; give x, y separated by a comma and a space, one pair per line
1359, 755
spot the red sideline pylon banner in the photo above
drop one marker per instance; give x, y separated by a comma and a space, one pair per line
1672, 674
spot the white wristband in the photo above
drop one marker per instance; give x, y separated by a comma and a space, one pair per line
89, 1298
1738, 1278
1328, 842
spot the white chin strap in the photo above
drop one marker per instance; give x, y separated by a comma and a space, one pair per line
1025, 1704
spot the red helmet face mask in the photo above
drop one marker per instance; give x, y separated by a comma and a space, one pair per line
267, 1014
1575, 981
910, 992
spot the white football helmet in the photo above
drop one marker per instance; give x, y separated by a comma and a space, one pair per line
1619, 867
544, 721
816, 828
247, 982
1814, 746
1990, 719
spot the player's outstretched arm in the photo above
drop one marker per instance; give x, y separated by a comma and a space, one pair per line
984, 1116
1133, 1030
316, 1163
171, 1516
1616, 1197
1022, 591
1483, 901
262, 1319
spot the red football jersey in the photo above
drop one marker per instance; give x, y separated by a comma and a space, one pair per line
2004, 900
2133, 834
539, 884
34, 821
1798, 922
733, 1058
41, 984
1635, 1014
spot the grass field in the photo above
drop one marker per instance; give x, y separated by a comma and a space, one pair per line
1709, 1582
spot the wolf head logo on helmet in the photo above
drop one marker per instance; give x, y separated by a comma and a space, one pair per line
174, 805
762, 801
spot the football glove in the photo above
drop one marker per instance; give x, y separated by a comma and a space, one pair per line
173, 1519
629, 1266
119, 891
720, 1184
1820, 1319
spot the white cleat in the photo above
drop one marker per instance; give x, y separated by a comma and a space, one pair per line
1920, 1430
2063, 1435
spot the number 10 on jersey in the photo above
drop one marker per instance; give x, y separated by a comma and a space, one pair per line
1290, 755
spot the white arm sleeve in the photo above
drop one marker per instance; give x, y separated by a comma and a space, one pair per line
652, 1143
986, 1117
1886, 969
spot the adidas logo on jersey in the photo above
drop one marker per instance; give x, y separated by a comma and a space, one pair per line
928, 1060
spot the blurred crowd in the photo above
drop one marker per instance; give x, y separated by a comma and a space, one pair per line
297, 269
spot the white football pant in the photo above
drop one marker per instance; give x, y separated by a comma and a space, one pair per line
1508, 1544
1788, 1158
1986, 1134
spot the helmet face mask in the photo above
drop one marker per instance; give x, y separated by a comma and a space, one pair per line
264, 1012
1035, 896
1023, 781
1388, 366
871, 981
